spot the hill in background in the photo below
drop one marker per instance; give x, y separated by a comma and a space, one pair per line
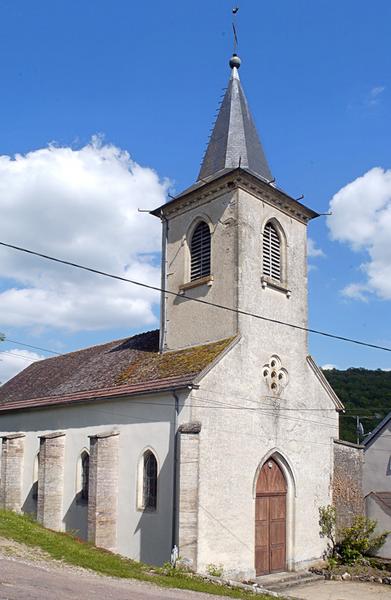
363, 392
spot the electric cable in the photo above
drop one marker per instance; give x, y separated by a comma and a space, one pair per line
199, 300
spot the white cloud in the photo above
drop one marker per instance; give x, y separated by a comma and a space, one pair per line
12, 361
361, 218
312, 249
357, 291
374, 94
329, 367
81, 205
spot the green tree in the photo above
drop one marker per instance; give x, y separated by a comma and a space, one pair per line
364, 392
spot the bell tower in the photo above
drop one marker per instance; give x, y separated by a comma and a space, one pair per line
233, 239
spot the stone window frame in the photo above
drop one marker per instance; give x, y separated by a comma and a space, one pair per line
140, 482
266, 280
81, 495
188, 283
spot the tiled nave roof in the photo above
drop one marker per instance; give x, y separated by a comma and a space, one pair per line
119, 368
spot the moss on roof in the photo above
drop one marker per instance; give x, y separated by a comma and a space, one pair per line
132, 361
172, 363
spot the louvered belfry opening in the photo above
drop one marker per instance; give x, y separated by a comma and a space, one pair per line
200, 252
271, 252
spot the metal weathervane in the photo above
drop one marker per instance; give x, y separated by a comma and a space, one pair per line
235, 12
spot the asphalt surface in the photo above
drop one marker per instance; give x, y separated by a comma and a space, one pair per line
23, 580
20, 580
342, 590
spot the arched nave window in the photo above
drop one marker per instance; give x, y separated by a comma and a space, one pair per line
271, 250
148, 473
200, 247
83, 476
35, 476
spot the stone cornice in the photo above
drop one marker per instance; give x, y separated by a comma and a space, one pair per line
199, 195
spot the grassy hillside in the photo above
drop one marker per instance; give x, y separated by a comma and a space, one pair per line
363, 392
73, 551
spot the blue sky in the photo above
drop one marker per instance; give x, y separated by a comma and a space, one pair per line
148, 76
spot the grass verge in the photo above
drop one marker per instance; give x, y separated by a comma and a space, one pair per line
73, 551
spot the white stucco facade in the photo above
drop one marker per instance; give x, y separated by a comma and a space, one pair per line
243, 420
261, 398
296, 425
377, 480
145, 422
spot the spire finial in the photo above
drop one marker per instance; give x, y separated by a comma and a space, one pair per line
235, 60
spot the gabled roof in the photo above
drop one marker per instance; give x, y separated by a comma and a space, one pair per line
120, 368
234, 141
377, 429
327, 387
383, 498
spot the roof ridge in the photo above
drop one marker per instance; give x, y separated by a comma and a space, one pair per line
118, 341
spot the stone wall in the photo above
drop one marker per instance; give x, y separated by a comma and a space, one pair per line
347, 482
188, 491
103, 490
51, 480
11, 471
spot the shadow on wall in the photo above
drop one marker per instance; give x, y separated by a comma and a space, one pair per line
155, 525
30, 504
76, 517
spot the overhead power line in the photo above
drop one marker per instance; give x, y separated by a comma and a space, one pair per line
7, 339
21, 356
199, 300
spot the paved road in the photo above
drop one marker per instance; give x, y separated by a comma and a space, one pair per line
342, 590
20, 580
23, 580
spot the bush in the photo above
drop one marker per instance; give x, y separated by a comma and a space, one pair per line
214, 570
360, 540
327, 523
356, 542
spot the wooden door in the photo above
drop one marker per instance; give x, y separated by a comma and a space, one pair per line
270, 520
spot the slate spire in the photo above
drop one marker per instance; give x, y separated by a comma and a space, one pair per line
234, 141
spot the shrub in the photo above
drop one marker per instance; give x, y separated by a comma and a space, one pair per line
328, 528
360, 540
214, 570
355, 543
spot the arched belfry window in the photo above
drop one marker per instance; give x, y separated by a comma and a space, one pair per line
200, 251
271, 264
149, 480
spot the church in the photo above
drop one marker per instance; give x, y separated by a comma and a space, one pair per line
215, 433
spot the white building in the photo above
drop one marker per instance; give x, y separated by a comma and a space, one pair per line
234, 397
377, 479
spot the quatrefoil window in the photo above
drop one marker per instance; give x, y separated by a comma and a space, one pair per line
276, 377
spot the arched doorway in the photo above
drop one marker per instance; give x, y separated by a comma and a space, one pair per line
270, 519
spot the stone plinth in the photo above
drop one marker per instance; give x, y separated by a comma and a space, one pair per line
103, 490
188, 460
51, 480
11, 471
